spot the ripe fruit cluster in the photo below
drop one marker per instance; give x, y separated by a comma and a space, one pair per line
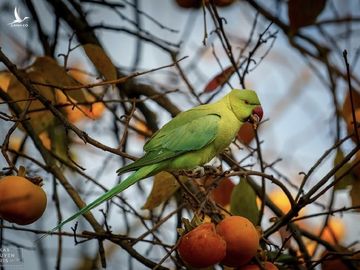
233, 242
21, 201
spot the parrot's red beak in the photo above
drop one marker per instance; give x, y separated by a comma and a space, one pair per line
256, 115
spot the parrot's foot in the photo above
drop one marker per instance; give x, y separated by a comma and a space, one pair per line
201, 171
197, 172
211, 170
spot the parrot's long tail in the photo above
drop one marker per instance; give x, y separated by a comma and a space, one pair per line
132, 179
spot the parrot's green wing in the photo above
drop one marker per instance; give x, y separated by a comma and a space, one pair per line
173, 140
183, 119
193, 134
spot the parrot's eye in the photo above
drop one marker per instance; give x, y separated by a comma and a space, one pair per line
246, 102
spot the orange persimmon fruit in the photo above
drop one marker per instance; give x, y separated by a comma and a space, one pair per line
202, 246
21, 201
242, 240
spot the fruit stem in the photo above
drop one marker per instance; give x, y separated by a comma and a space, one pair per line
21, 171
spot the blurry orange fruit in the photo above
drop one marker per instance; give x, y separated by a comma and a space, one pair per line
334, 232
94, 112
280, 200
202, 246
242, 240
21, 201
81, 112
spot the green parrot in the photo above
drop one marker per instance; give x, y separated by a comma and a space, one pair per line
189, 140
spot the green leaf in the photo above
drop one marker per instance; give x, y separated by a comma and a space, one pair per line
282, 258
60, 141
164, 186
347, 179
243, 201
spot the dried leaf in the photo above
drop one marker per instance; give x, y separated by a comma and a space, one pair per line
142, 130
246, 133
40, 117
219, 80
347, 109
304, 12
222, 193
347, 112
347, 179
56, 75
189, 3
285, 234
101, 61
164, 186
243, 201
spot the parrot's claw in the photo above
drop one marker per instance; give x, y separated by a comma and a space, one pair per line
211, 170
197, 172
201, 171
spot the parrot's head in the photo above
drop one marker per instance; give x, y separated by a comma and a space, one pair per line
246, 105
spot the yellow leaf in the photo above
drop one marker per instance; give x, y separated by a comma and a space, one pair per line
15, 143
40, 117
101, 61
164, 186
5, 80
56, 75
